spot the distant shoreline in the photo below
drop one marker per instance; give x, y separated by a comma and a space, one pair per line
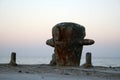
96, 61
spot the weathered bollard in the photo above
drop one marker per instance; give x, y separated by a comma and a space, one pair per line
13, 59
68, 40
88, 63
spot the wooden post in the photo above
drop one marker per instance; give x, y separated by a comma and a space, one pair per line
13, 59
88, 63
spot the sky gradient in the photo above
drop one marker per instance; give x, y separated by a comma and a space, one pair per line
25, 25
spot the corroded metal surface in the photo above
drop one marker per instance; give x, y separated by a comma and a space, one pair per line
68, 40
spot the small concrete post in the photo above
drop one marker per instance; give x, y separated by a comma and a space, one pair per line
13, 59
88, 58
88, 63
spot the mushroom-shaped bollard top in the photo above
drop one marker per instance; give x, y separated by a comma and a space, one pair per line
68, 40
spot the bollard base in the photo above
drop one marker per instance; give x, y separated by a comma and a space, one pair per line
87, 65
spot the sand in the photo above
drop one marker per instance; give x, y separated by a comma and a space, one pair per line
46, 72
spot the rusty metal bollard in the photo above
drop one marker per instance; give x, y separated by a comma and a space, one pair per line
13, 59
68, 40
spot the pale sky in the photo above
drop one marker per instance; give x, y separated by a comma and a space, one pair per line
25, 25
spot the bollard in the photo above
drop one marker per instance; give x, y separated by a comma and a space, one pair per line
68, 41
13, 59
88, 63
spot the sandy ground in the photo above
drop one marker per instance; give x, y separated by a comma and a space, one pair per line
46, 72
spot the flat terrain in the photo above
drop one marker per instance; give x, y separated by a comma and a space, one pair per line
46, 72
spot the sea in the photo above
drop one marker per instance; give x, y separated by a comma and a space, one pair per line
96, 61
